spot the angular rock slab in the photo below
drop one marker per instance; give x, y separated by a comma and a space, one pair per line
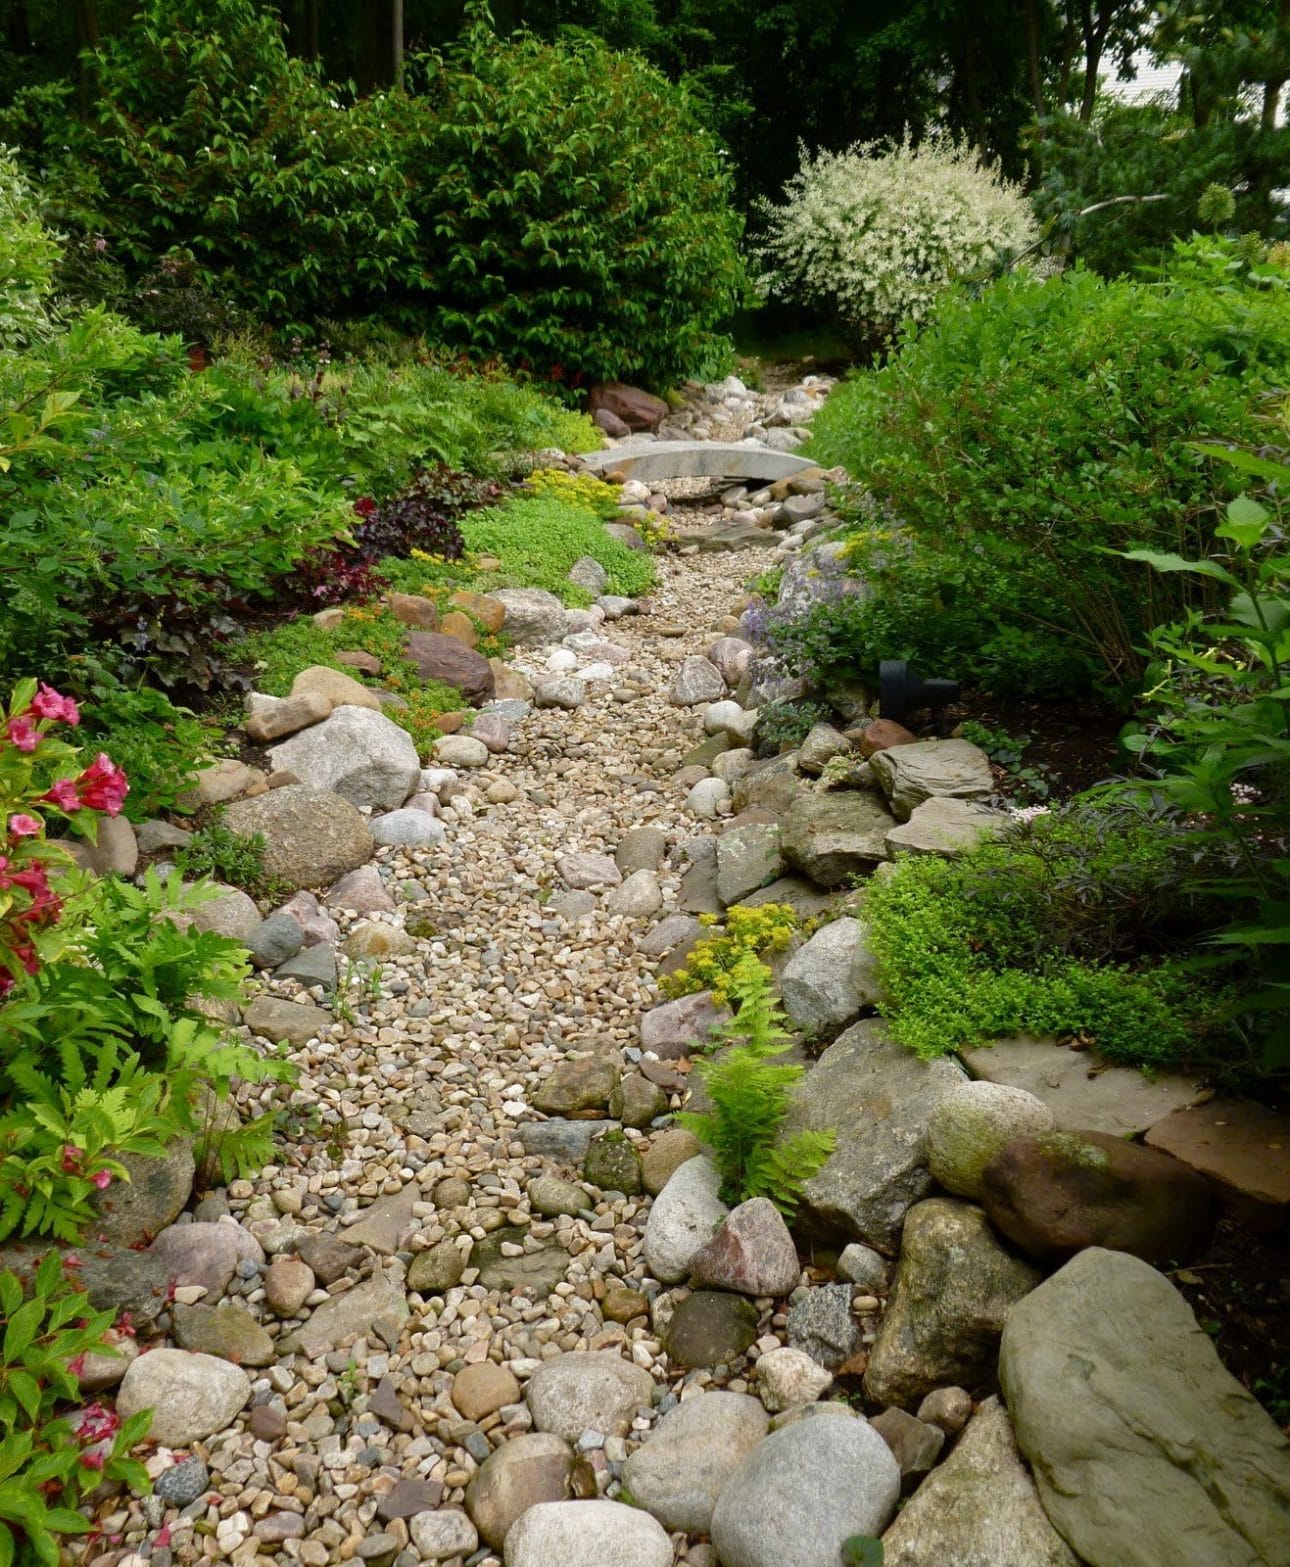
678, 1474
355, 1311
1084, 1091
820, 983
1244, 1151
1145, 1449
752, 1253
832, 837
878, 1097
979, 1509
587, 1534
946, 827
804, 1491
659, 460
932, 769
955, 1285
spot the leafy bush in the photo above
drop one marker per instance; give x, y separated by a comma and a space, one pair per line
1024, 434
1215, 742
873, 235
573, 215
236, 859
784, 724
750, 1102
47, 1464
28, 256
204, 135
1078, 924
714, 960
160, 747
538, 538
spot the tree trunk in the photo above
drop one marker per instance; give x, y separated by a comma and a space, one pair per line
396, 43
1032, 57
85, 21
311, 29
1095, 29
18, 27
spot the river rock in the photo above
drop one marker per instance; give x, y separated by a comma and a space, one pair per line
787, 1377
639, 896
1144, 1448
191, 1396
804, 1491
227, 1330
534, 617
709, 1328
678, 1474
530, 1469
821, 745
155, 1195
584, 1083
587, 1391
587, 1534
970, 1126
295, 1021
231, 913
288, 1283
752, 1253
441, 1535
954, 1287
411, 828
585, 870
205, 1254
979, 1509
832, 837
910, 774
362, 756
685, 1216
665, 1156
696, 681
311, 836
879, 1098
914, 1444
1054, 1194
682, 1027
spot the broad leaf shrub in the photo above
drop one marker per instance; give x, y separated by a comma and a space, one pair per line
573, 215
52, 1456
1214, 743
750, 1097
1026, 433
1080, 923
205, 136
28, 257
871, 236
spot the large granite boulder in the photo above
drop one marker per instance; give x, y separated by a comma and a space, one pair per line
596, 1533
679, 1472
686, 1215
978, 1509
831, 837
531, 1468
534, 617
830, 979
1146, 1451
1057, 1193
587, 1391
311, 837
971, 1125
878, 1097
362, 756
932, 769
748, 859
955, 1284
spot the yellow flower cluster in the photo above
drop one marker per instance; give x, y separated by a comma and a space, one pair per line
748, 931
583, 490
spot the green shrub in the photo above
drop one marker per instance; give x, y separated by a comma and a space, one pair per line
29, 254
872, 235
47, 1463
538, 538
751, 1100
204, 136
1027, 432
1078, 924
160, 746
233, 858
574, 217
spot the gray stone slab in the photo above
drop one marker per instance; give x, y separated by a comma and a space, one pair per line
695, 460
1080, 1088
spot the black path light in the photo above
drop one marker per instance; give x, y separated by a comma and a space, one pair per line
901, 691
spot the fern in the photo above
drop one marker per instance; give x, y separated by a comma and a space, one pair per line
751, 1098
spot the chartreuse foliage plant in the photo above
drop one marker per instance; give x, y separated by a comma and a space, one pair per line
538, 538
48, 1460
714, 961
28, 257
1026, 434
871, 236
750, 1093
1080, 924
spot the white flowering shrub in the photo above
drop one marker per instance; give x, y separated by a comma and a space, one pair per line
872, 235
28, 255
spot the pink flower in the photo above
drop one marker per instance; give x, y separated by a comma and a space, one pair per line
23, 826
71, 1157
102, 786
77, 1365
22, 733
92, 1458
48, 704
97, 1423
102, 1179
63, 794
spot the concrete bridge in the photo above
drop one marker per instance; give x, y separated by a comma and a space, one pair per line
659, 460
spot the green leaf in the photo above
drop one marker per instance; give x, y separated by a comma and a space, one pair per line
1163, 560
862, 1550
1246, 523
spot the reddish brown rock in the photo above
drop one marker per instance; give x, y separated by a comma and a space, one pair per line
1055, 1195
489, 612
608, 421
636, 409
411, 609
449, 724
752, 1253
356, 658
882, 734
460, 626
1242, 1148
445, 659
